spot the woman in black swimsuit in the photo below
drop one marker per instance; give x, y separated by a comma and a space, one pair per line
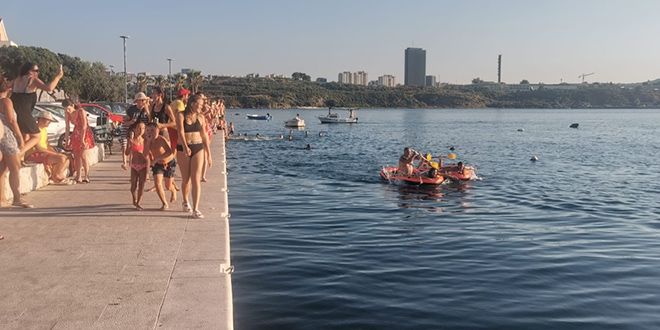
24, 97
193, 145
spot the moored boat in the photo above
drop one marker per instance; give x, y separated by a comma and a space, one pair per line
333, 118
260, 117
295, 122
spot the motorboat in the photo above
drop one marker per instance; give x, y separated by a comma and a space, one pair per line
333, 118
295, 122
260, 117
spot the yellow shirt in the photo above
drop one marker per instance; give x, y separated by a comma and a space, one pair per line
43, 141
177, 105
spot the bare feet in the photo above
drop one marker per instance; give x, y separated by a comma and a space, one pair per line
164, 207
138, 207
173, 197
1, 237
123, 166
204, 180
22, 203
152, 189
135, 203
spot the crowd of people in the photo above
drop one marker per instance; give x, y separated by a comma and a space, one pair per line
157, 136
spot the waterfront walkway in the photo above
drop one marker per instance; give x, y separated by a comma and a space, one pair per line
84, 258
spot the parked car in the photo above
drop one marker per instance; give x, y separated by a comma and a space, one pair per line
55, 130
100, 111
118, 108
57, 109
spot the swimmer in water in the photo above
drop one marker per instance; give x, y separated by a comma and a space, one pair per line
320, 134
290, 138
308, 147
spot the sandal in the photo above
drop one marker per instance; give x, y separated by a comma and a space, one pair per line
186, 207
198, 215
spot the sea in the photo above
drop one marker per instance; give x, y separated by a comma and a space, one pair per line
572, 241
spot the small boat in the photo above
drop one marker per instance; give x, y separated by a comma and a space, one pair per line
333, 118
390, 174
295, 122
260, 117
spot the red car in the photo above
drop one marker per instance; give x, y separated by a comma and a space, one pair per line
98, 110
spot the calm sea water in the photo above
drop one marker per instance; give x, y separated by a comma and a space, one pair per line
320, 241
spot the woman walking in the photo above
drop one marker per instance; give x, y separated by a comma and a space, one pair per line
80, 140
11, 143
193, 146
138, 163
24, 98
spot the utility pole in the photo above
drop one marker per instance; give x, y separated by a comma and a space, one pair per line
125, 73
169, 78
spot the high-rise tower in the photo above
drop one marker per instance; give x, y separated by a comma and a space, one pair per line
415, 67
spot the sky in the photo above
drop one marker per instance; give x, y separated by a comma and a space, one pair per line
541, 41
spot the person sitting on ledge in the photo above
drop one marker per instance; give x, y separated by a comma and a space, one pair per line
45, 154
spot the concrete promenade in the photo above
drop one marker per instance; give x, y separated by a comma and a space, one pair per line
84, 258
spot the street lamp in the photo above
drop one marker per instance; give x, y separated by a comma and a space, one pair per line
125, 73
169, 78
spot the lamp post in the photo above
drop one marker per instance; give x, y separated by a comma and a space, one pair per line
125, 73
169, 78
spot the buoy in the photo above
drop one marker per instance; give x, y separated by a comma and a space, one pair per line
574, 125
534, 158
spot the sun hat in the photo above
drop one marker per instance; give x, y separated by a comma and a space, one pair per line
182, 92
140, 96
47, 115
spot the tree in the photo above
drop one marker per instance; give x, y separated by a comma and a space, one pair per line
142, 82
179, 79
477, 81
160, 82
301, 76
195, 79
330, 103
524, 82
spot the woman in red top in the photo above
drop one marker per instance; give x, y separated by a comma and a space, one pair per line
81, 138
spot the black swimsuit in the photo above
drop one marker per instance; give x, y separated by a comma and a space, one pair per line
24, 103
194, 147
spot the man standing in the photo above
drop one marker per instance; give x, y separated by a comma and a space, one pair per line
45, 154
181, 100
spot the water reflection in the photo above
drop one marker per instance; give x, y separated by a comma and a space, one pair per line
451, 197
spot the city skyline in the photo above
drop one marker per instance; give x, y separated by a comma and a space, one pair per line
541, 42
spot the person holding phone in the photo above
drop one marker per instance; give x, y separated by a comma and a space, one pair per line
24, 98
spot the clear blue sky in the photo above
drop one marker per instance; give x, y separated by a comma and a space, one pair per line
542, 41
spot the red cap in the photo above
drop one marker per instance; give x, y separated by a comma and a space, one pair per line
182, 92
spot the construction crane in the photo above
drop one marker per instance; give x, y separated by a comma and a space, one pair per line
584, 75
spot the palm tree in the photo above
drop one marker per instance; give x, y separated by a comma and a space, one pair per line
195, 79
142, 82
160, 82
179, 79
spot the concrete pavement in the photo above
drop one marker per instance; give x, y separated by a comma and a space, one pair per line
84, 258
